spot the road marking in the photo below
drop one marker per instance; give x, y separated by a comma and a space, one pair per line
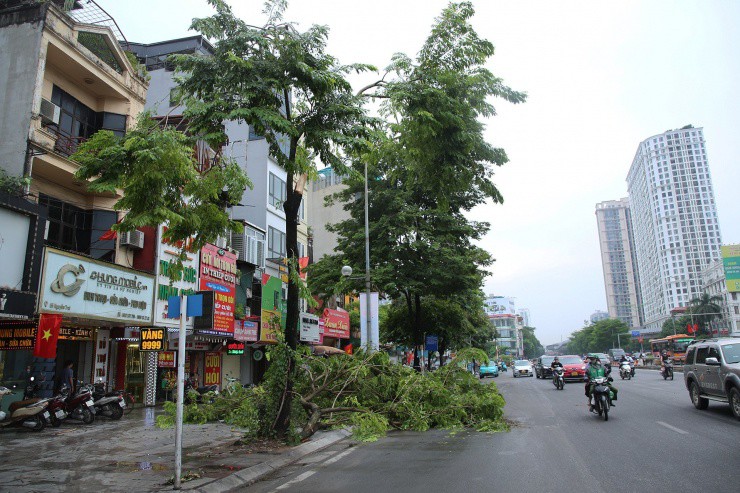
677, 430
310, 473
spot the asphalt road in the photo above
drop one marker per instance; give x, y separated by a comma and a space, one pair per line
654, 441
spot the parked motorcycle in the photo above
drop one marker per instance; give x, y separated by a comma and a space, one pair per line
200, 394
602, 397
79, 406
108, 404
625, 370
31, 415
557, 377
57, 410
667, 369
31, 389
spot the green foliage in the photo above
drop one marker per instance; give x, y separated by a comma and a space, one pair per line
13, 185
156, 169
532, 346
598, 337
704, 309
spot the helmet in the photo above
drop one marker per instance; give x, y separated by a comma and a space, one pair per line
555, 359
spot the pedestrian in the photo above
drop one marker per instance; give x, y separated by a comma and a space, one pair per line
68, 376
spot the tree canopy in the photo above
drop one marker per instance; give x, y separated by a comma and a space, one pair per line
598, 337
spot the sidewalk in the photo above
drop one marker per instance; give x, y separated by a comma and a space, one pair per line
134, 455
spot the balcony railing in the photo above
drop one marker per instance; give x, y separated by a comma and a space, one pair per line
65, 145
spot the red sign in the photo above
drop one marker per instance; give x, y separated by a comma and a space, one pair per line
639, 339
218, 274
246, 331
166, 359
336, 323
212, 369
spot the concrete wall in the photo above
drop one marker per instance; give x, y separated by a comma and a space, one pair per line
19, 65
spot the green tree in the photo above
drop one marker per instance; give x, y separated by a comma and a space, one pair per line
598, 337
704, 309
284, 84
156, 169
430, 166
678, 326
532, 346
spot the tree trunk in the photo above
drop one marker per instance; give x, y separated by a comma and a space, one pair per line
417, 331
442, 350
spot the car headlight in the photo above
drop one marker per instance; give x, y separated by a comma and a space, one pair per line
583, 368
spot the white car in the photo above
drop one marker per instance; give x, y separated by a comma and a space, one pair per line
523, 368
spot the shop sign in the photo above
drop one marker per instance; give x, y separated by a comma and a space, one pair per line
246, 330
309, 328
212, 369
17, 335
272, 317
166, 359
131, 332
188, 283
190, 345
101, 354
16, 304
235, 347
78, 286
336, 323
270, 326
153, 339
76, 333
218, 274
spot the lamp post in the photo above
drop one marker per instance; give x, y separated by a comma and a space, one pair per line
347, 272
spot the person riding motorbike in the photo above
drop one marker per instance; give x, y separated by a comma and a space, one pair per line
596, 370
556, 363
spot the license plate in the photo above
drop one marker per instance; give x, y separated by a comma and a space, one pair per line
60, 414
46, 415
90, 404
574, 374
522, 371
122, 403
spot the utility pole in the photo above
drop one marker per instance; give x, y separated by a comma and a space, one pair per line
368, 327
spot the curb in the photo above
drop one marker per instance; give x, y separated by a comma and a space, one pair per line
252, 474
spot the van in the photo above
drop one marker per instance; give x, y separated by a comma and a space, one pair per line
616, 354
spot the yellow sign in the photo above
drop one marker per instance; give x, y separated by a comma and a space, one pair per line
270, 326
152, 339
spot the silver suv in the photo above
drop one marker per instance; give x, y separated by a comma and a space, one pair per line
712, 372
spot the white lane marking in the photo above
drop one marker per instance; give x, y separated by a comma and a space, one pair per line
677, 430
310, 473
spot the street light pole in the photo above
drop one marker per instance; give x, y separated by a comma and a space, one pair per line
368, 329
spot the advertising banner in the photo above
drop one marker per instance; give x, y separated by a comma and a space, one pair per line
336, 323
235, 347
218, 274
81, 287
272, 319
187, 284
212, 369
731, 263
190, 345
101, 354
246, 330
15, 304
309, 328
17, 335
153, 339
166, 359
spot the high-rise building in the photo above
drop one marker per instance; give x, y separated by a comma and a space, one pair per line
614, 222
598, 316
674, 218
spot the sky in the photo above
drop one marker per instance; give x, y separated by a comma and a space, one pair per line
600, 77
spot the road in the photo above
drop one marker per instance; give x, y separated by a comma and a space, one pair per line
654, 441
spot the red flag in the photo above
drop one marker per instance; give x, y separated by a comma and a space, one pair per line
108, 235
696, 327
47, 335
348, 349
689, 328
302, 264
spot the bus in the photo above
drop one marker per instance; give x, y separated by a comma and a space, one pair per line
675, 345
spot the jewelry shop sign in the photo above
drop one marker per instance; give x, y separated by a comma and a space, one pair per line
78, 286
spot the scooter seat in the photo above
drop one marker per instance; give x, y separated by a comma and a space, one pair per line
19, 404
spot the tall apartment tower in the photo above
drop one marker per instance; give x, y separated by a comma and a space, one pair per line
674, 219
614, 222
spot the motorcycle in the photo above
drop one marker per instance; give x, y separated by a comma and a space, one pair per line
80, 405
108, 404
557, 377
31, 389
625, 370
31, 415
667, 370
502, 367
602, 397
199, 394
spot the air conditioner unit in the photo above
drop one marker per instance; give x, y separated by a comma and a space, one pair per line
239, 243
256, 252
133, 239
49, 112
221, 242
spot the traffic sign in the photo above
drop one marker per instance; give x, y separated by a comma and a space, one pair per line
635, 333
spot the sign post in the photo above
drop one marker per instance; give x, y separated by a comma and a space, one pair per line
180, 392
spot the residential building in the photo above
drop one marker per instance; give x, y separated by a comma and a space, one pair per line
674, 216
714, 284
64, 76
320, 214
526, 316
618, 261
598, 315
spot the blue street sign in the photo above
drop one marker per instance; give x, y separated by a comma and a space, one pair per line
173, 307
635, 333
432, 343
195, 305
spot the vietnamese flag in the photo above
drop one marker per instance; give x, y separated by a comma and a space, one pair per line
47, 335
349, 349
689, 328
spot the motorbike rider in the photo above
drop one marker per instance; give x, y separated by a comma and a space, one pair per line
555, 364
596, 370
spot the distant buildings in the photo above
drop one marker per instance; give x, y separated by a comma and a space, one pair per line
671, 227
714, 284
502, 313
598, 315
618, 261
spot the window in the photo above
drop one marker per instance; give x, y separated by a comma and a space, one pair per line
278, 192
714, 353
276, 243
701, 356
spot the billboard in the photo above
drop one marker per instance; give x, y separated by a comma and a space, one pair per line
188, 283
731, 263
272, 317
218, 274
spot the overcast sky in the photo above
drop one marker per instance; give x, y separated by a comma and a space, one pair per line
601, 77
